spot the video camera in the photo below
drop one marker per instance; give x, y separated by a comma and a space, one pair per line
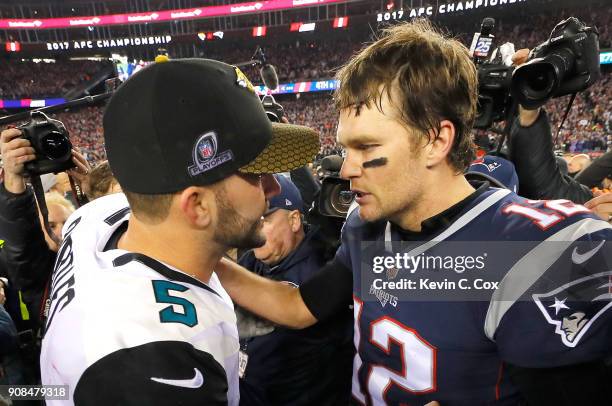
50, 141
335, 197
568, 62
493, 77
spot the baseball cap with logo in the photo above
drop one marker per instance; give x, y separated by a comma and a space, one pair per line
499, 171
193, 122
289, 197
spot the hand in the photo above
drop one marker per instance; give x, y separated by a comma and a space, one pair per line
520, 57
82, 167
601, 206
434, 403
16, 151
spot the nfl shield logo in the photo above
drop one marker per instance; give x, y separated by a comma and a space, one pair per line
206, 149
205, 156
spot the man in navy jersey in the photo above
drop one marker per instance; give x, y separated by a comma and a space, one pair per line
542, 331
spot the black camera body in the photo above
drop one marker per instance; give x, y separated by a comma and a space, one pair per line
493, 97
51, 144
568, 62
335, 197
493, 78
274, 110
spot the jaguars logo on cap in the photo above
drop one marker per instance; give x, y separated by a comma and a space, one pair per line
243, 81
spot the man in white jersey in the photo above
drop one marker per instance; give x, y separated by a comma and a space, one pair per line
137, 314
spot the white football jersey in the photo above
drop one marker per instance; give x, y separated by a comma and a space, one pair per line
124, 328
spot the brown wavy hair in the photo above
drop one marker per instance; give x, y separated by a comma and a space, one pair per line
427, 76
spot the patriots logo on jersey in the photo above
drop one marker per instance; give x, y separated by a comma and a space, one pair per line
574, 307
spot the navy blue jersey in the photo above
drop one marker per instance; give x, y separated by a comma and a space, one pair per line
540, 314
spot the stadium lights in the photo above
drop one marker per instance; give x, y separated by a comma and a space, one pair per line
210, 36
307, 27
13, 46
341, 22
302, 27
259, 31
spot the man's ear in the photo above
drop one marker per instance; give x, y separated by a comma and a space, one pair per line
196, 204
295, 219
440, 147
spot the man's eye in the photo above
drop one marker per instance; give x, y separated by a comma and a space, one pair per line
365, 147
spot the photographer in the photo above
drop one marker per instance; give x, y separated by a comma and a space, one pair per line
29, 258
568, 62
531, 148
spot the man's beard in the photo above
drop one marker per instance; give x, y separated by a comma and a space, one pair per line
234, 230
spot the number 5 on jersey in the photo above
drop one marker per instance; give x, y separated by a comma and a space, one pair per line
162, 290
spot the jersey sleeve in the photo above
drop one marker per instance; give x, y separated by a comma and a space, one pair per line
156, 373
329, 291
565, 317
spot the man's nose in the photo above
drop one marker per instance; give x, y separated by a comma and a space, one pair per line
350, 169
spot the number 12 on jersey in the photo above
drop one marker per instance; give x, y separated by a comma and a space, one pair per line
418, 371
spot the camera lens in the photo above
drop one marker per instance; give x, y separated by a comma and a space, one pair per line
534, 84
55, 145
341, 199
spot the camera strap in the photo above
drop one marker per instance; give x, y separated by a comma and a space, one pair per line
42, 206
77, 192
567, 109
511, 113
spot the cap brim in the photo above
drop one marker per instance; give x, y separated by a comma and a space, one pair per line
292, 146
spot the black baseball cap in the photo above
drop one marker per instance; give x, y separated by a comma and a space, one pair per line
193, 122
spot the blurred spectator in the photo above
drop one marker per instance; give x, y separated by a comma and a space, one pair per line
101, 182
59, 210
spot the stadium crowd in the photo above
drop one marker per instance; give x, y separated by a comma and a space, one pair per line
586, 129
23, 79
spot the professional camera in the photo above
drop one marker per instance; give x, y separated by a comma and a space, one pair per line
493, 98
274, 110
329, 210
568, 62
49, 138
493, 77
335, 197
